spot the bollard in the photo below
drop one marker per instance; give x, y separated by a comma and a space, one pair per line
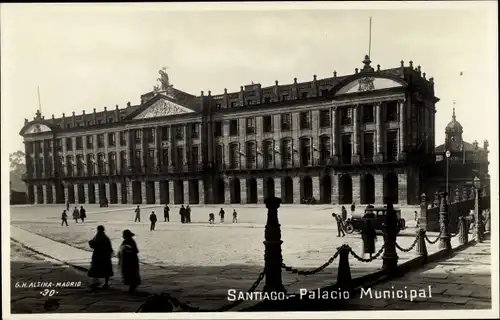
421, 247
444, 221
390, 256
344, 279
273, 258
463, 235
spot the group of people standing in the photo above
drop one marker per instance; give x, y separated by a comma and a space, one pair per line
222, 213
101, 266
77, 214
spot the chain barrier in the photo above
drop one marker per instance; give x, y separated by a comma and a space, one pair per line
314, 271
433, 241
411, 247
355, 255
186, 307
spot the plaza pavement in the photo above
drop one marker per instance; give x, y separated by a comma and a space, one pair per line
198, 263
462, 281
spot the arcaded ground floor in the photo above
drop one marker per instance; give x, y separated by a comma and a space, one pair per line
326, 189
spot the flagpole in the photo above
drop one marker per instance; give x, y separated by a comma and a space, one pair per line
39, 101
370, 39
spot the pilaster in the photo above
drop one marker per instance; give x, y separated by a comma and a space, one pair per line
86, 191
295, 139
356, 186
185, 188
243, 190
335, 188
35, 194
157, 192
143, 192
277, 187
65, 193
335, 128
97, 193
296, 190
108, 191
171, 192
119, 191
402, 127
378, 132
355, 130
316, 188
227, 191
130, 193
44, 190
402, 189
379, 188
201, 191
241, 142
260, 190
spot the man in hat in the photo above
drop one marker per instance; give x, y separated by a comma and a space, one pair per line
166, 213
153, 219
340, 227
101, 266
137, 214
182, 212
64, 218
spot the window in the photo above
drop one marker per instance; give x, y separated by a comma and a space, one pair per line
324, 150
89, 123
195, 130
110, 120
218, 129
346, 149
324, 92
267, 124
219, 155
137, 161
305, 120
250, 127
286, 122
234, 155
68, 125
233, 128
100, 141
179, 133
138, 136
218, 106
286, 153
49, 145
391, 111
79, 143
346, 116
164, 158
284, 97
179, 155
194, 157
90, 164
29, 147
150, 165
164, 133
69, 166
267, 100
267, 153
112, 163
123, 140
368, 113
90, 142
59, 145
111, 139
392, 145
304, 95
249, 102
250, 150
50, 166
233, 104
324, 118
100, 165
69, 144
368, 147
305, 152
123, 160
150, 135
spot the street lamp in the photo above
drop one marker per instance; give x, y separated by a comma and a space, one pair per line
447, 154
479, 230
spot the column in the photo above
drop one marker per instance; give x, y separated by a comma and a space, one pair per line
379, 126
402, 189
35, 194
130, 193
86, 191
53, 193
225, 141
295, 139
171, 191
143, 192
227, 191
108, 191
355, 131
260, 190
402, 127
315, 136
379, 188
356, 188
335, 188
65, 193
44, 190
296, 190
185, 184
119, 192
129, 156
258, 139
84, 155
241, 141
243, 189
277, 187
157, 192
316, 188
335, 128
97, 192
201, 191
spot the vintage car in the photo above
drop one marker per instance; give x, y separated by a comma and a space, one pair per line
377, 214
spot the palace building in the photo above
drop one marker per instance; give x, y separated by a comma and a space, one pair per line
359, 137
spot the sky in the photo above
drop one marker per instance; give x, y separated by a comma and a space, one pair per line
86, 56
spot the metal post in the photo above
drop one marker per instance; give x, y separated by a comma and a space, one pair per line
463, 235
390, 256
272, 256
422, 220
444, 221
479, 217
447, 169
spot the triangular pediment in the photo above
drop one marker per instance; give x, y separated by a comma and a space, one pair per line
37, 128
162, 108
368, 83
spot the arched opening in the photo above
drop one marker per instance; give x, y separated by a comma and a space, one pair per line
251, 190
326, 189
71, 193
179, 192
235, 188
194, 194
91, 191
50, 194
124, 192
345, 189
150, 192
306, 187
113, 193
31, 194
391, 187
269, 188
136, 192
39, 194
81, 193
287, 190
164, 196
220, 191
60, 198
102, 192
367, 192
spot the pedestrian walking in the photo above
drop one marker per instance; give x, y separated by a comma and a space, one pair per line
353, 208
76, 214
369, 236
137, 214
344, 214
67, 205
153, 219
221, 214
340, 227
235, 216
128, 261
166, 213
64, 218
101, 266
83, 214
182, 212
415, 216
188, 214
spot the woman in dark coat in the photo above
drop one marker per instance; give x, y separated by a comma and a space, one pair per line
369, 236
101, 266
129, 261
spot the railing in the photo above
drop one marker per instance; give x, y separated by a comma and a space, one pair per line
274, 265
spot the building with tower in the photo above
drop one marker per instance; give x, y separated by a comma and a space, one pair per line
358, 137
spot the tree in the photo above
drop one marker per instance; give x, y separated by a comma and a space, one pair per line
17, 169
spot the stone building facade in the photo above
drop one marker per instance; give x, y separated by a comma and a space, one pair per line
359, 137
